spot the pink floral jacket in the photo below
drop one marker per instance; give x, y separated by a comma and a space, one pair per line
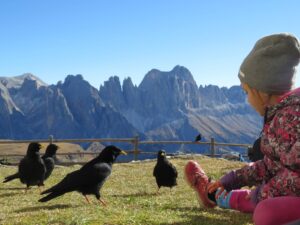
278, 174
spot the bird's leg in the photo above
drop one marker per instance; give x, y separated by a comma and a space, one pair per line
157, 192
86, 198
41, 187
26, 189
102, 202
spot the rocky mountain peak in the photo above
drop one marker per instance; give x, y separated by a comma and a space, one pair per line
183, 72
75, 87
171, 91
74, 79
29, 85
111, 92
112, 85
17, 81
167, 105
212, 94
128, 82
6, 102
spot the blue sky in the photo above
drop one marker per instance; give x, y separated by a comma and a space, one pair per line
127, 38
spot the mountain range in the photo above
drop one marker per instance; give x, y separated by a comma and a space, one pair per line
164, 106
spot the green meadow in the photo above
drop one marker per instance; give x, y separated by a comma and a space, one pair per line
130, 193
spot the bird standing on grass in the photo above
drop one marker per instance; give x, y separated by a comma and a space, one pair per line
31, 170
89, 178
49, 160
164, 172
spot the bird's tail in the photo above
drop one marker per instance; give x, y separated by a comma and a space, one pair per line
50, 196
52, 189
46, 191
11, 177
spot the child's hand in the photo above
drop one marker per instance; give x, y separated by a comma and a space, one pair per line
213, 186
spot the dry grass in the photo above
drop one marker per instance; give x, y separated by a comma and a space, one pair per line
21, 148
131, 196
13, 152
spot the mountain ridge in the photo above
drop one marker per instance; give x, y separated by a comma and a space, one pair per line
166, 105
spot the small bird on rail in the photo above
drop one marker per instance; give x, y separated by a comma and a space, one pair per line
48, 159
164, 172
31, 170
198, 138
89, 179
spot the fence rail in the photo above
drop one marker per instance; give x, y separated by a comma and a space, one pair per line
134, 141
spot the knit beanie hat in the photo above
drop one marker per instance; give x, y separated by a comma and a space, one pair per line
271, 65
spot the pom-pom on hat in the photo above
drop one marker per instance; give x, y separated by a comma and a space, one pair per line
271, 65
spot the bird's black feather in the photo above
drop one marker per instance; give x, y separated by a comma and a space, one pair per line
88, 179
31, 169
11, 177
49, 159
164, 172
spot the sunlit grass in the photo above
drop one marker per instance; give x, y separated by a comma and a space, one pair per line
131, 196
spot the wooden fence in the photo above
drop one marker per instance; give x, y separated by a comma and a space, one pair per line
134, 141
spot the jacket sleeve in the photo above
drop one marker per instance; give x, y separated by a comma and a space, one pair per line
251, 174
278, 173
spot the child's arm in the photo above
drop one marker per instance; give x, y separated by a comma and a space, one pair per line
250, 175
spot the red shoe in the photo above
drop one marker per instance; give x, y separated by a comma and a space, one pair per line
198, 180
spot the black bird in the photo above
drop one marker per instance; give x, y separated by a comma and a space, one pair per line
89, 178
49, 159
254, 152
31, 170
164, 172
198, 138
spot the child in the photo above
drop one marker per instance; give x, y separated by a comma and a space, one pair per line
267, 76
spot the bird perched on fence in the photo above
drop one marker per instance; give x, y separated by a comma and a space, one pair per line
31, 170
164, 172
198, 138
89, 178
49, 159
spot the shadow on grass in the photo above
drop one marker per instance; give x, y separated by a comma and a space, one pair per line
196, 215
47, 207
12, 188
10, 194
185, 209
140, 194
12, 191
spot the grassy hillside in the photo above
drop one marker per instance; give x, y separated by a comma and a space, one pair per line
131, 196
21, 148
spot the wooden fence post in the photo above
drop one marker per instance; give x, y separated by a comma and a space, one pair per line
212, 147
136, 147
51, 139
